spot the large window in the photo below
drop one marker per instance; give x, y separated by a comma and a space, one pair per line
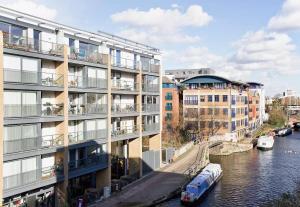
217, 98
210, 98
225, 98
191, 100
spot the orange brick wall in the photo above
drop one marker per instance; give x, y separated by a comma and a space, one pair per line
175, 107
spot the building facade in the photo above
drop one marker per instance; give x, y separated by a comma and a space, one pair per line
170, 104
214, 105
257, 89
181, 74
75, 110
254, 110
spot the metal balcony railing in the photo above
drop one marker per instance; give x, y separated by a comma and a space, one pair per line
21, 110
96, 82
126, 130
32, 143
82, 109
124, 85
124, 63
49, 109
75, 81
151, 87
124, 108
24, 43
88, 56
82, 136
150, 127
32, 176
150, 108
93, 160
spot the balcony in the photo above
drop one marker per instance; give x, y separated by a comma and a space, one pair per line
124, 63
151, 88
23, 43
33, 176
21, 110
96, 83
154, 68
91, 161
124, 85
33, 77
26, 144
75, 81
150, 108
124, 131
50, 109
150, 127
88, 56
83, 109
83, 136
124, 108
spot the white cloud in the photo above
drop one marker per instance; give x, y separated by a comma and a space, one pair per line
157, 25
175, 6
288, 18
32, 7
261, 50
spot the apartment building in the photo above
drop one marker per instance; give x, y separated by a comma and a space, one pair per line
171, 105
214, 105
259, 90
76, 108
254, 110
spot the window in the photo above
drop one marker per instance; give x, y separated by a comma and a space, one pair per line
210, 124
225, 125
202, 124
210, 111
216, 98
225, 98
168, 106
225, 111
202, 98
168, 117
71, 43
217, 124
202, 111
168, 96
210, 98
191, 100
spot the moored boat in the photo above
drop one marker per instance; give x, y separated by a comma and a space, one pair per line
201, 183
285, 132
265, 143
297, 126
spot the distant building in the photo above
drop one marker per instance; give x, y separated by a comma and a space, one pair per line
170, 103
257, 89
182, 74
290, 98
214, 105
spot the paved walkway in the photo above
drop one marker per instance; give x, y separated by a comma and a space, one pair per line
156, 185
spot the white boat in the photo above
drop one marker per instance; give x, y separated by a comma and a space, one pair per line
265, 143
201, 183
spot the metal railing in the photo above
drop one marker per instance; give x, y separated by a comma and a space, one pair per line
124, 85
32, 176
124, 108
150, 108
23, 43
88, 56
90, 161
21, 110
96, 82
75, 81
150, 87
49, 109
151, 127
126, 130
124, 63
25, 144
82, 136
82, 109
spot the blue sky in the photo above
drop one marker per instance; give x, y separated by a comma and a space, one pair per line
242, 39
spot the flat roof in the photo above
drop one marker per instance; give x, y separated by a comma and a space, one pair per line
98, 37
212, 79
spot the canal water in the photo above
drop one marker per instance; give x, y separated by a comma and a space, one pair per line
254, 177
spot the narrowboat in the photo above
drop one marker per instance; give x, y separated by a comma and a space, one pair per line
265, 143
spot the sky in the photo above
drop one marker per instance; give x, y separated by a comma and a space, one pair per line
247, 40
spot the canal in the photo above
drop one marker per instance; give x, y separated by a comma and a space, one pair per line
254, 177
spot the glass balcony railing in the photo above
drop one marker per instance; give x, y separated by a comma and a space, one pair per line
124, 85
75, 81
154, 68
83, 136
96, 82
150, 108
124, 63
88, 56
90, 161
151, 88
21, 110
124, 108
33, 77
32, 143
150, 127
126, 130
32, 176
82, 109
27, 44
49, 109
